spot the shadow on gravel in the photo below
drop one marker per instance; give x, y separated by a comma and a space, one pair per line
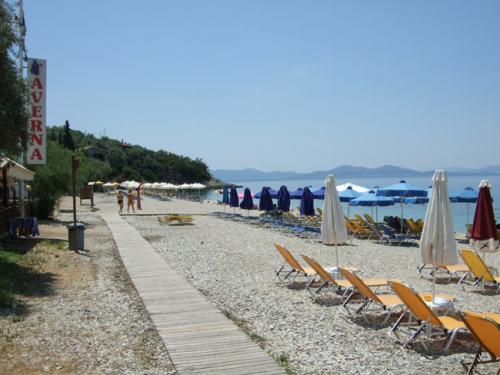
328, 301
21, 275
462, 344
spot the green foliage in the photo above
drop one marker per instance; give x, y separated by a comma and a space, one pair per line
138, 163
122, 163
13, 93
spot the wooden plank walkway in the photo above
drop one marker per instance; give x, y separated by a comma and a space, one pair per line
198, 337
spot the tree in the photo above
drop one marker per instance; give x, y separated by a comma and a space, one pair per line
67, 138
13, 93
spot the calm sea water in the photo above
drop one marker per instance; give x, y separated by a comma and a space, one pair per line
416, 211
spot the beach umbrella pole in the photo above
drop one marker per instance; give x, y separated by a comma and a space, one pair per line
434, 271
336, 255
468, 211
401, 217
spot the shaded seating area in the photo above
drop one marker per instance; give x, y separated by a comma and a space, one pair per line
13, 205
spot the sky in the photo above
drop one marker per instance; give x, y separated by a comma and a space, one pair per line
278, 84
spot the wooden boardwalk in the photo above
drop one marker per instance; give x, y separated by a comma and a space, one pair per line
198, 337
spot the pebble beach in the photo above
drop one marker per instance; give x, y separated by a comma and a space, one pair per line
233, 264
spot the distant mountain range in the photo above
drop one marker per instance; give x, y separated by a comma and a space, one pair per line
346, 171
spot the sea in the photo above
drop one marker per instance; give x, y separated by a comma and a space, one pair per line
462, 213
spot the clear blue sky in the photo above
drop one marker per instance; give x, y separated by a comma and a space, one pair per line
279, 84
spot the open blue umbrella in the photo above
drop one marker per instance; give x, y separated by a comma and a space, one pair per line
414, 200
273, 193
266, 202
307, 202
233, 199
347, 195
371, 199
296, 194
468, 195
247, 201
402, 190
320, 193
283, 199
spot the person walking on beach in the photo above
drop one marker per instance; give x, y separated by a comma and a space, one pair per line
130, 201
139, 203
119, 198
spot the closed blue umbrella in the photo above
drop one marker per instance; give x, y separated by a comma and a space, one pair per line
225, 195
266, 202
402, 190
233, 199
273, 193
283, 199
296, 194
307, 202
247, 201
371, 199
320, 193
468, 195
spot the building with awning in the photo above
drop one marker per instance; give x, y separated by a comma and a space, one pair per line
11, 173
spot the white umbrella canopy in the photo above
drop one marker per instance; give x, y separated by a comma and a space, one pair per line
359, 189
333, 230
437, 244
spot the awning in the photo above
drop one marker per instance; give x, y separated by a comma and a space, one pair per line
16, 170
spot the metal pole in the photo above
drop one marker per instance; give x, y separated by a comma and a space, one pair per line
73, 182
401, 217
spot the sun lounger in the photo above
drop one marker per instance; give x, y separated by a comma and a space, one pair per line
328, 281
492, 315
295, 269
369, 219
385, 235
459, 271
388, 302
427, 321
414, 228
481, 272
391, 236
486, 331
358, 229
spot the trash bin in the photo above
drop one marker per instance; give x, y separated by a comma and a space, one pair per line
76, 237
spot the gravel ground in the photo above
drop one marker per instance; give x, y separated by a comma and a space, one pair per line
233, 263
92, 323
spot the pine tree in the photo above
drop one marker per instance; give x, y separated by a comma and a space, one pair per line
67, 138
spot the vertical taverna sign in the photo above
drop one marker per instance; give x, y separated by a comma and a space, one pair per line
37, 131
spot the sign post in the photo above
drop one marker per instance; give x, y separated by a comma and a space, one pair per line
37, 140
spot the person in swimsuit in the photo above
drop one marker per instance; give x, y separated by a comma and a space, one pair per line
130, 201
119, 198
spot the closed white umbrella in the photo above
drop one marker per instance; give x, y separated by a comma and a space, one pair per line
333, 230
437, 244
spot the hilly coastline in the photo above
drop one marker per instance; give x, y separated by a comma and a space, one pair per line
345, 171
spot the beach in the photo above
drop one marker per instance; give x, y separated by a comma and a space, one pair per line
232, 264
